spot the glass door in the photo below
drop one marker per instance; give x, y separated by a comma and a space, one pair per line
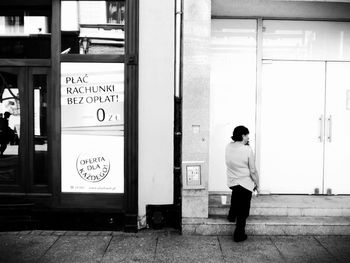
292, 127
23, 130
12, 132
337, 141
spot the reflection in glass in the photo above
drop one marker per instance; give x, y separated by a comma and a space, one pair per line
24, 25
24, 35
100, 33
40, 129
9, 126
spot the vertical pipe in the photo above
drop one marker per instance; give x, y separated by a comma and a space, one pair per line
178, 112
131, 107
259, 58
178, 49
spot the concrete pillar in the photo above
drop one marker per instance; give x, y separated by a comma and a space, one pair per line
196, 84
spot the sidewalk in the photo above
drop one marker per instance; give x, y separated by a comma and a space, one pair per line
167, 246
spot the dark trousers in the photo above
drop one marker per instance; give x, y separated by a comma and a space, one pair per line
239, 210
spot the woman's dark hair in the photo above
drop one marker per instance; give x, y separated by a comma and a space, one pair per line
238, 132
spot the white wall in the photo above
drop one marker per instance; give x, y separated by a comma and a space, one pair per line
156, 103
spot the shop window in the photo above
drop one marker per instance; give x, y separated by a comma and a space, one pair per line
92, 123
232, 59
100, 33
306, 40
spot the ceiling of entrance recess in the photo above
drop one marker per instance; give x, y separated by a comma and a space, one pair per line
301, 9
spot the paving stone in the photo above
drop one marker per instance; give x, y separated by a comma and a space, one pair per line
117, 233
337, 246
82, 233
71, 233
177, 248
10, 233
94, 233
106, 233
24, 248
165, 246
254, 249
36, 232
77, 249
302, 249
131, 249
46, 233
25, 232
58, 233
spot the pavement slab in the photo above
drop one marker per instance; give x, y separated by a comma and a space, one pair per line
176, 248
165, 246
302, 249
77, 249
337, 246
24, 248
254, 249
136, 248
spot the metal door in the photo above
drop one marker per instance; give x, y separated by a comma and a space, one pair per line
292, 126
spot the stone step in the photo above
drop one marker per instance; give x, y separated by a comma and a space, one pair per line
284, 211
269, 225
286, 205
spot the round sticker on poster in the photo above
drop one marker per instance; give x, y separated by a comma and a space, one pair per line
93, 167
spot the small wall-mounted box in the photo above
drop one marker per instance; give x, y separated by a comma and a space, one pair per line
192, 175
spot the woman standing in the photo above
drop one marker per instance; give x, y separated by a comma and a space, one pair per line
242, 179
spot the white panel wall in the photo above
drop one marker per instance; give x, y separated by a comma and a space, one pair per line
232, 90
156, 106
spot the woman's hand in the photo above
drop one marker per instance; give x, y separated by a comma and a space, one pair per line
256, 189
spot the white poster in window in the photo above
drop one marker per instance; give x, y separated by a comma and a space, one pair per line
92, 119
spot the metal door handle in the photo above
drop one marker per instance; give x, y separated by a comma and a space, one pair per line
329, 137
320, 137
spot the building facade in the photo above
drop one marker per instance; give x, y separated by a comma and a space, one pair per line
279, 68
123, 108
92, 134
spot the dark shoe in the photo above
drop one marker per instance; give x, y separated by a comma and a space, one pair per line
240, 238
